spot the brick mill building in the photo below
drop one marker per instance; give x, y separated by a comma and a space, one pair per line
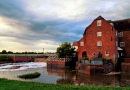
105, 38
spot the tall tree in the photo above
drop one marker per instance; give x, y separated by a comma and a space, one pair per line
65, 50
4, 52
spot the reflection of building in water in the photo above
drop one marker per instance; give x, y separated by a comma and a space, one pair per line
75, 78
66, 75
56, 71
116, 81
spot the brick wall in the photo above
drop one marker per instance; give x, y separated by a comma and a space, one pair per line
126, 39
94, 69
108, 39
125, 67
40, 60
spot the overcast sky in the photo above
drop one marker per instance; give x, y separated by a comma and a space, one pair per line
31, 25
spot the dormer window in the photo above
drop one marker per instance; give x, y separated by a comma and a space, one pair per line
99, 23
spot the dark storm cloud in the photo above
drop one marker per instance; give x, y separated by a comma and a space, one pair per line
12, 9
51, 28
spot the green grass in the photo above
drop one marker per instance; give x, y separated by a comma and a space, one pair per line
30, 75
21, 85
3, 54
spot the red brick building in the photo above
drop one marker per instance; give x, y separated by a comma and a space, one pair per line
105, 38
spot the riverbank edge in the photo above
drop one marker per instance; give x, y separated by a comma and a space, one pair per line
6, 84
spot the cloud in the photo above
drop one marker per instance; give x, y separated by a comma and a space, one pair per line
34, 24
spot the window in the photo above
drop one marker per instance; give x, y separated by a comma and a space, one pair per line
81, 43
116, 43
120, 34
99, 43
107, 53
122, 44
99, 23
99, 34
122, 54
116, 33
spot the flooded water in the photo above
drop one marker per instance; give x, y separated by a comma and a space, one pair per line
60, 76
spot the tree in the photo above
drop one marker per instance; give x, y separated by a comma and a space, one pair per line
10, 52
65, 50
4, 52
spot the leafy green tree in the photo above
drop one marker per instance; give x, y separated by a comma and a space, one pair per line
65, 50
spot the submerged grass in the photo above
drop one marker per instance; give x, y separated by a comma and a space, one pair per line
21, 85
30, 75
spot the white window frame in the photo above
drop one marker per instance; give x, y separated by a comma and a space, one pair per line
122, 44
120, 34
99, 34
99, 43
107, 53
81, 43
99, 22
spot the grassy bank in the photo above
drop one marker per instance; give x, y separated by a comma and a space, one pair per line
20, 85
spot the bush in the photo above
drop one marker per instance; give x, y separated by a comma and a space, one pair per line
85, 58
30, 75
103, 59
5, 58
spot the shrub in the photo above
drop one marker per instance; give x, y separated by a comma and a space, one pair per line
30, 75
103, 59
5, 58
85, 58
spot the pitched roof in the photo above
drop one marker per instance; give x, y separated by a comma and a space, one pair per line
86, 30
75, 43
118, 24
99, 17
122, 24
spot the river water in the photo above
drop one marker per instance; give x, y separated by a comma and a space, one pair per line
61, 76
